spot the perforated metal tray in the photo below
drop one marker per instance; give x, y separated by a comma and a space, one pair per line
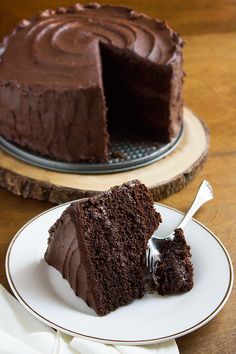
125, 154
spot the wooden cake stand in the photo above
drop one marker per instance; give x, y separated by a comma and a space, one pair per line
163, 177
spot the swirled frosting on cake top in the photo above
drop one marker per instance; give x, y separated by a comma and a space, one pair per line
62, 47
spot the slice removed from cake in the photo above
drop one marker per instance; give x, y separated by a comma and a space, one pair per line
99, 244
173, 273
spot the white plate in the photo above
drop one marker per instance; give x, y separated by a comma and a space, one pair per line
43, 291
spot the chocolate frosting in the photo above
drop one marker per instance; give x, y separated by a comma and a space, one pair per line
66, 256
62, 46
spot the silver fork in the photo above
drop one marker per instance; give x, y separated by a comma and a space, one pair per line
203, 195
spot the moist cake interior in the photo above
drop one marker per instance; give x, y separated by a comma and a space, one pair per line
127, 81
116, 253
173, 273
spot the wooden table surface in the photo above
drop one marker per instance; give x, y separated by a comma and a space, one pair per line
209, 28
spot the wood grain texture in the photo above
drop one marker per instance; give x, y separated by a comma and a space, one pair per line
209, 28
186, 17
164, 177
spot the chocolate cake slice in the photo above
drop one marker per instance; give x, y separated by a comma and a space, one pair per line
99, 244
174, 272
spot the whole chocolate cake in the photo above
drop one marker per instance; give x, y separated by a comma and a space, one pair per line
99, 244
174, 272
70, 77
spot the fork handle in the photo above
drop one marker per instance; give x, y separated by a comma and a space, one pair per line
204, 194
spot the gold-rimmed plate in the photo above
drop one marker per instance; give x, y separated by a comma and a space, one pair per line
43, 291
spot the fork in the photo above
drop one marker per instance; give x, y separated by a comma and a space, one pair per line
204, 194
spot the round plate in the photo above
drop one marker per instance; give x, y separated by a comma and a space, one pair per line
43, 291
125, 154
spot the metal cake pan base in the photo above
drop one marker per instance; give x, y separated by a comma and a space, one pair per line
125, 154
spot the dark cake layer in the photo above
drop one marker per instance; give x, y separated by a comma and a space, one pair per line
174, 272
99, 245
52, 88
138, 94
